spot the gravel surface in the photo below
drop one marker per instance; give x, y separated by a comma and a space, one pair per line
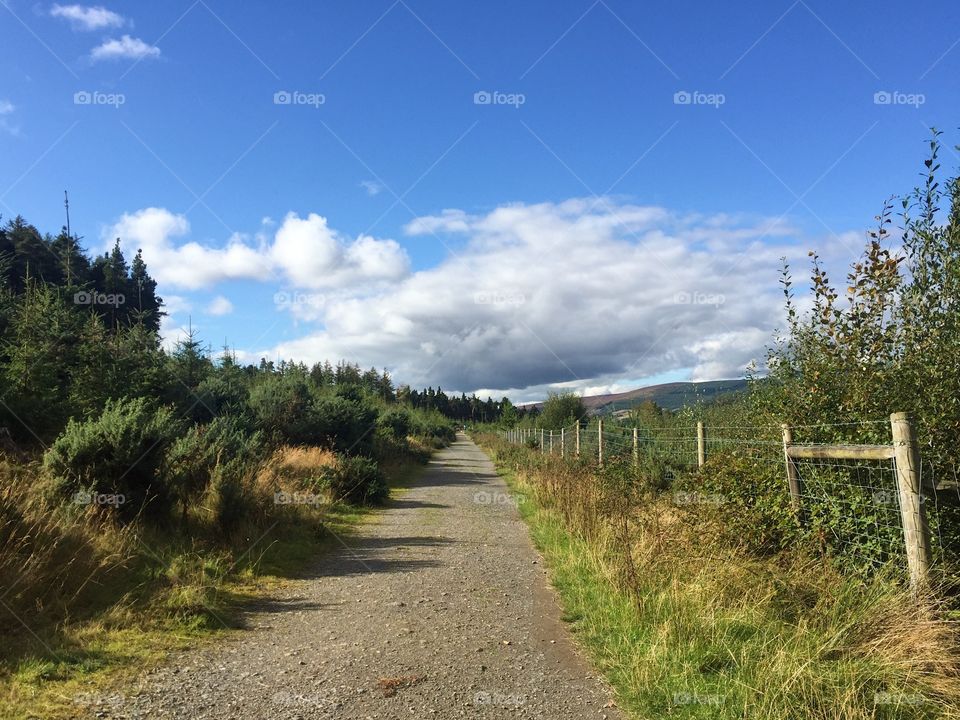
437, 608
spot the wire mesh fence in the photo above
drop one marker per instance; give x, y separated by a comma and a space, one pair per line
849, 498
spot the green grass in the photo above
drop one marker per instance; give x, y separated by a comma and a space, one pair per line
730, 637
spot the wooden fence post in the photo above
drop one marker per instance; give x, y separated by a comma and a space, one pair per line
562, 449
793, 478
542, 451
551, 442
577, 447
701, 444
916, 533
599, 441
636, 449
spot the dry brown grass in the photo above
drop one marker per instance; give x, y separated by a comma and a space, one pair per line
52, 560
305, 460
292, 468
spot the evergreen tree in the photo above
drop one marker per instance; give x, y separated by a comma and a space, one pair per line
145, 306
74, 264
33, 255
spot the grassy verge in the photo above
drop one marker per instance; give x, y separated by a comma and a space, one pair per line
685, 627
154, 592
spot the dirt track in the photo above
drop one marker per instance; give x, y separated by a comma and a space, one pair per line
438, 607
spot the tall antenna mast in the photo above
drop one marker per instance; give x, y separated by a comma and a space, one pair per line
66, 205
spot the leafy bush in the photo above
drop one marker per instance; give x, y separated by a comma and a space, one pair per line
748, 497
358, 480
561, 410
220, 394
430, 423
282, 406
228, 500
344, 424
227, 442
396, 421
119, 453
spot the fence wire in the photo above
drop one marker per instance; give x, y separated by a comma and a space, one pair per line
851, 507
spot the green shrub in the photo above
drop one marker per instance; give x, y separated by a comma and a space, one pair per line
227, 442
282, 406
358, 480
396, 421
750, 499
344, 424
561, 410
430, 423
118, 454
230, 504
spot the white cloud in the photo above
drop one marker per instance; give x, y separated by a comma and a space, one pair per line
447, 221
580, 294
188, 265
7, 108
303, 253
175, 304
126, 48
220, 306
83, 17
372, 187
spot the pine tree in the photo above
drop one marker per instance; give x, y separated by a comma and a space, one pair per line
74, 264
146, 305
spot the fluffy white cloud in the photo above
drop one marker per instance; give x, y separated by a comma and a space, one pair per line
303, 253
577, 294
220, 306
84, 17
581, 295
312, 255
126, 48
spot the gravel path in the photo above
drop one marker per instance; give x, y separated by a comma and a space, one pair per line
437, 608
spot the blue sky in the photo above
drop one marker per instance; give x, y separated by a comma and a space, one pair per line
373, 216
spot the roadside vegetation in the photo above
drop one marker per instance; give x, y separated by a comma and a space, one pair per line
145, 495
701, 592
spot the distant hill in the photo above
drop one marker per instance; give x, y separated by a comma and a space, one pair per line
672, 396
